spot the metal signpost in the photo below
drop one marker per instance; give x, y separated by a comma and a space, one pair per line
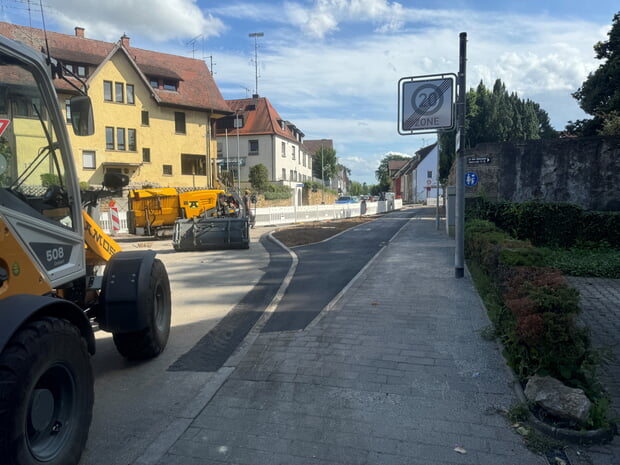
426, 105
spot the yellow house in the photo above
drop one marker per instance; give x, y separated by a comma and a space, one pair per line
154, 113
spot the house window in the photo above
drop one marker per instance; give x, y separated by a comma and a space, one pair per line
284, 150
120, 92
109, 138
145, 118
429, 174
81, 71
68, 109
88, 160
293, 152
170, 85
167, 170
154, 83
131, 140
146, 155
130, 94
292, 173
219, 150
253, 147
120, 138
107, 91
179, 122
283, 174
194, 164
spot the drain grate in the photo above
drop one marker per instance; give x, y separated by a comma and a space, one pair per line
557, 457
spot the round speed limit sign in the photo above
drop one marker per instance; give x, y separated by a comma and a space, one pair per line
427, 99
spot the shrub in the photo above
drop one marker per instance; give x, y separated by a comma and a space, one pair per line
551, 224
600, 227
277, 192
534, 311
547, 223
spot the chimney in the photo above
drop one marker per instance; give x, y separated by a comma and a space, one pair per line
79, 32
125, 40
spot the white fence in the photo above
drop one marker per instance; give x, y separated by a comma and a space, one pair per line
273, 216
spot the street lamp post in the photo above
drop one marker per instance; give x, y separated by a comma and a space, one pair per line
256, 35
237, 125
322, 178
227, 162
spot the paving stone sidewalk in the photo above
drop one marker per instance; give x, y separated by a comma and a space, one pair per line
600, 304
395, 373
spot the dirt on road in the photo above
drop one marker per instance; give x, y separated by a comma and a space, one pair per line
309, 233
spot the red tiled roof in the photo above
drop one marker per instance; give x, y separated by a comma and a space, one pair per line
395, 165
196, 88
259, 117
313, 145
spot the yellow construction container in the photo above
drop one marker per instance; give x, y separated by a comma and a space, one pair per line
154, 211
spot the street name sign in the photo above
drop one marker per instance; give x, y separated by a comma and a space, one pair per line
426, 104
478, 160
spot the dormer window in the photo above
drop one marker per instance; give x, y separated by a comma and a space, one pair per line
77, 69
164, 84
170, 85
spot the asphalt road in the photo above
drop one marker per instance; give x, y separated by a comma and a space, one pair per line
325, 268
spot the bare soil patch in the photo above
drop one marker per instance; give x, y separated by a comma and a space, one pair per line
317, 231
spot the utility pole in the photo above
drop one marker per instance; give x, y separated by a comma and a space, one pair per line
322, 178
238, 125
459, 227
256, 35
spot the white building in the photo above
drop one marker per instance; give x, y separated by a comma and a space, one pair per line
257, 134
416, 180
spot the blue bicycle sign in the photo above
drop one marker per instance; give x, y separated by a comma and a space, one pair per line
471, 179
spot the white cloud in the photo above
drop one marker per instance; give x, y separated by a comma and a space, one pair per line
158, 21
325, 16
332, 66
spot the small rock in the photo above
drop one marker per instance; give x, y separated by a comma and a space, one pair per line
558, 399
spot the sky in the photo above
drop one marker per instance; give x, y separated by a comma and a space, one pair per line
332, 67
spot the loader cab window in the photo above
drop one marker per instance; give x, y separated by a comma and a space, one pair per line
32, 163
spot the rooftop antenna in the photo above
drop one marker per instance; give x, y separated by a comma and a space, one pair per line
256, 35
211, 67
193, 44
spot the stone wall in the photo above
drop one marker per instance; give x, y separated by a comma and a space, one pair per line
583, 171
308, 198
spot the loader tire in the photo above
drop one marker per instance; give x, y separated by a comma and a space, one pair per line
150, 341
46, 395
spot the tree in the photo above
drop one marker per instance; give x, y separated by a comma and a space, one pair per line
325, 163
599, 94
495, 116
259, 177
382, 173
356, 188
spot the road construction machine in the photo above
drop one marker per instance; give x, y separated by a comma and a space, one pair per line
152, 212
60, 274
225, 226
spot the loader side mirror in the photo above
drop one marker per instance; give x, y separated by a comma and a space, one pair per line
115, 181
82, 116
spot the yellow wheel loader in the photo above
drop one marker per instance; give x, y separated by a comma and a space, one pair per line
59, 272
